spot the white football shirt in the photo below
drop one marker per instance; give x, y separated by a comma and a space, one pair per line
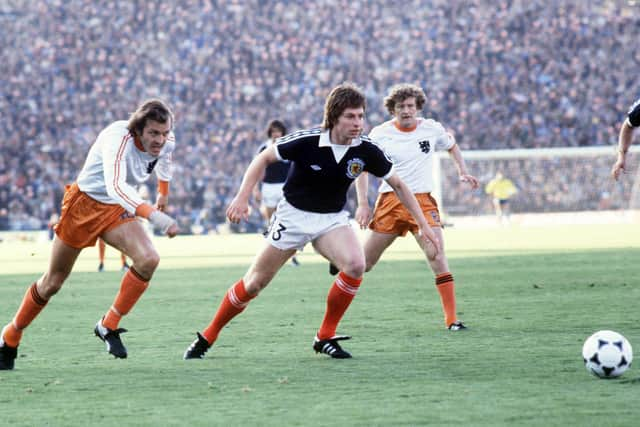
412, 151
115, 167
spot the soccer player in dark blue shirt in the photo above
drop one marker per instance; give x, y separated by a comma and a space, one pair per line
631, 122
275, 174
274, 177
325, 161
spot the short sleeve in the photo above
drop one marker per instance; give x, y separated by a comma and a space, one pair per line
289, 150
261, 148
379, 165
444, 141
634, 114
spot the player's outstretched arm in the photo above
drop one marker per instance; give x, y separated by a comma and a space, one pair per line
409, 201
624, 142
239, 207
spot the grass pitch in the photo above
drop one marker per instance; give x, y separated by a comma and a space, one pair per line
530, 296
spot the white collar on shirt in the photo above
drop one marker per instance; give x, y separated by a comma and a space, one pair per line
325, 141
338, 150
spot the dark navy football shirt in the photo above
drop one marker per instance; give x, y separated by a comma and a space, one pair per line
275, 173
634, 114
317, 182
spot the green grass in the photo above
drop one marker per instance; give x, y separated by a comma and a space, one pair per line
530, 296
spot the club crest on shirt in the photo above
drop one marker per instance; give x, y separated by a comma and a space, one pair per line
151, 165
354, 168
425, 146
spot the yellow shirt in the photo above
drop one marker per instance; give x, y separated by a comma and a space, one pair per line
501, 188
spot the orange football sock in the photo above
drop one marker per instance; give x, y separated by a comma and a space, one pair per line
101, 249
233, 303
32, 305
446, 289
341, 294
131, 288
11, 335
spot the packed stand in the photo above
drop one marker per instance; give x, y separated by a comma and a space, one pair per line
501, 74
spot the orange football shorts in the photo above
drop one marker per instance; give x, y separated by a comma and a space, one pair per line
391, 217
83, 219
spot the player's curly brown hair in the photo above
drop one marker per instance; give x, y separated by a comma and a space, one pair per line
401, 92
151, 109
343, 96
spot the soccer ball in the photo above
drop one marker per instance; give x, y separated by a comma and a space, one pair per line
607, 354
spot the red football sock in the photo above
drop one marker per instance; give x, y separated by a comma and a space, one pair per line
233, 303
341, 294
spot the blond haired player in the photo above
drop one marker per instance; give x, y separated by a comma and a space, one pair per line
103, 202
410, 141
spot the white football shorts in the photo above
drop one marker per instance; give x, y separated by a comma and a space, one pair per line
292, 228
271, 194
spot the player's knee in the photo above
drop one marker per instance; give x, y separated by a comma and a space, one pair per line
256, 282
51, 284
437, 259
355, 268
439, 264
147, 262
369, 265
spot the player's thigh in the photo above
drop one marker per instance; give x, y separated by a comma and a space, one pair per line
265, 266
375, 244
341, 246
63, 256
132, 239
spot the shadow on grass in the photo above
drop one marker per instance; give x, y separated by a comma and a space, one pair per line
635, 380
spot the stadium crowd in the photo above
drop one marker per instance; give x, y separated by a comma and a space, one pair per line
499, 73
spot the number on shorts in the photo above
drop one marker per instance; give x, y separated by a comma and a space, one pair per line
276, 233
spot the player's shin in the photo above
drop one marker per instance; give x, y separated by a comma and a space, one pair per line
32, 305
446, 288
233, 303
341, 294
131, 289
